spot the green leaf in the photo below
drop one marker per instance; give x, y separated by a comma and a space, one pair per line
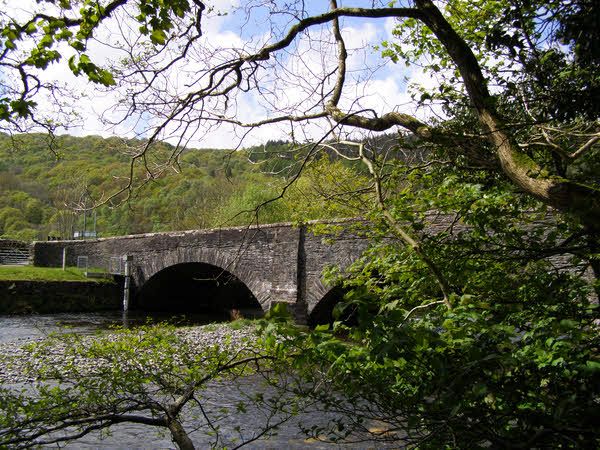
106, 78
77, 45
73, 65
22, 107
46, 41
593, 366
84, 59
567, 324
158, 37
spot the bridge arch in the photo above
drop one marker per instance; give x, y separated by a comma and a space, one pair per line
278, 263
322, 312
200, 288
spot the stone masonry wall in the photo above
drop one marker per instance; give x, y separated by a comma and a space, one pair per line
340, 249
278, 263
39, 297
264, 258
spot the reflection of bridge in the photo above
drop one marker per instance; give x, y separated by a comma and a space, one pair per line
269, 264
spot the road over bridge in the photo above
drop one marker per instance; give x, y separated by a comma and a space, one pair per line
230, 268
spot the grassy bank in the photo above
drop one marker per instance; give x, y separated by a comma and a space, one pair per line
30, 273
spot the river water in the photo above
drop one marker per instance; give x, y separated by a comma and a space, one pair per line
18, 330
22, 328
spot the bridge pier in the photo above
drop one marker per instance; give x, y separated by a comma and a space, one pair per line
127, 260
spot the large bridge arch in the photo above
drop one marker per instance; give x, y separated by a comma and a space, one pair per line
198, 288
213, 262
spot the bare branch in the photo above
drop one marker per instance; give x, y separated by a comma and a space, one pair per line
417, 308
400, 231
585, 147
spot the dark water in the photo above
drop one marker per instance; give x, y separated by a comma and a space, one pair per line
236, 429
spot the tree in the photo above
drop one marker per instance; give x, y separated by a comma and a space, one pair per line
169, 35
467, 329
153, 376
468, 336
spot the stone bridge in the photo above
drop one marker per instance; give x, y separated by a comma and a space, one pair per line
256, 266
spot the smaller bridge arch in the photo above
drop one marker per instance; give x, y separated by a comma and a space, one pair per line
322, 310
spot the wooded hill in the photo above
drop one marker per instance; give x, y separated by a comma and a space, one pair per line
46, 184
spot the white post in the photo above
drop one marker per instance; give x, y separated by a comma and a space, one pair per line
64, 259
127, 272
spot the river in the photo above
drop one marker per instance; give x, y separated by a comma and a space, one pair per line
24, 328
18, 330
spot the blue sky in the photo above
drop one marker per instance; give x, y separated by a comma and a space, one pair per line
287, 89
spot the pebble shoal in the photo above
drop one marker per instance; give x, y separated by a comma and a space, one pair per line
17, 358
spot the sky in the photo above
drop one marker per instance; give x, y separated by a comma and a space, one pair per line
287, 89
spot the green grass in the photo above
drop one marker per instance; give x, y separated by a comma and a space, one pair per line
238, 324
30, 273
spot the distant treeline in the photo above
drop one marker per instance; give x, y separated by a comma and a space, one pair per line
47, 183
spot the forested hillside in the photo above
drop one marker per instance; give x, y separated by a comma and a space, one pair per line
46, 185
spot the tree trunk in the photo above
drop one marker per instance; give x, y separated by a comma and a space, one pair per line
560, 193
179, 435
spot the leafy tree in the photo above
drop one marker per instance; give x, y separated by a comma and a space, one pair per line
467, 336
494, 42
479, 337
153, 376
34, 211
254, 203
49, 191
14, 224
327, 189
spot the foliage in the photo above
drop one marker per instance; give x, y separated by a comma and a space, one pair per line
481, 332
153, 375
529, 51
328, 189
528, 77
43, 196
542, 75
514, 361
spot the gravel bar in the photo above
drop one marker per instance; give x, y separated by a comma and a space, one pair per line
16, 356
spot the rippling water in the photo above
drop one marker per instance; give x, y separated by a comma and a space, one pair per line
19, 329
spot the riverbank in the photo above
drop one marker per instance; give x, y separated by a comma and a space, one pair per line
43, 296
43, 274
18, 358
235, 405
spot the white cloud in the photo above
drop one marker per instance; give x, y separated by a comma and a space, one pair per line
371, 82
